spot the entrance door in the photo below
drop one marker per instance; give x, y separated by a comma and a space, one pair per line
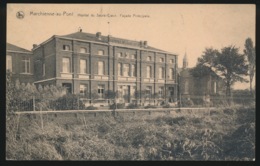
126, 93
171, 94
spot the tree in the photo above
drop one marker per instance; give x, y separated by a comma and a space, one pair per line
250, 53
227, 64
231, 66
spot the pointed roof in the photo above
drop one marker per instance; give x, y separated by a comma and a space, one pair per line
104, 39
11, 47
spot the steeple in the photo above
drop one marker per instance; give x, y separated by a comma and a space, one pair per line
185, 61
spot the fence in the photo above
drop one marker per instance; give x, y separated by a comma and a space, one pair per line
74, 102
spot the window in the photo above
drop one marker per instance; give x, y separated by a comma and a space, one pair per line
66, 65
148, 72
119, 55
119, 69
9, 63
149, 58
66, 47
133, 56
43, 69
161, 72
172, 61
101, 69
133, 74
161, 60
83, 66
83, 89
126, 69
127, 55
83, 50
100, 52
26, 65
161, 92
171, 74
101, 89
68, 87
148, 91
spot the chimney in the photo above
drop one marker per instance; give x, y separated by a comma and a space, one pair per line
145, 44
34, 46
108, 38
98, 35
141, 43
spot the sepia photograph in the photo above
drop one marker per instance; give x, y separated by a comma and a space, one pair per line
166, 82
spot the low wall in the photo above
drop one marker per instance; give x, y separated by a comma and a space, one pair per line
80, 116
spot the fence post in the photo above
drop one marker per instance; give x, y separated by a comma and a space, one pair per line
33, 103
41, 117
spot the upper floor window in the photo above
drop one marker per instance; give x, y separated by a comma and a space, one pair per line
149, 58
133, 70
119, 54
171, 74
66, 47
148, 72
161, 60
161, 72
66, 65
101, 90
126, 69
127, 55
172, 61
100, 52
83, 89
9, 63
26, 65
83, 50
83, 66
119, 69
133, 56
101, 68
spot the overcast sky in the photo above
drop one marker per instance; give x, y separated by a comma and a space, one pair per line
172, 27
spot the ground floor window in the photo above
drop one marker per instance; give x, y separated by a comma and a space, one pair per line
161, 92
101, 89
83, 89
68, 87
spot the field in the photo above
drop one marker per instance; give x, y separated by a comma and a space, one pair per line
227, 134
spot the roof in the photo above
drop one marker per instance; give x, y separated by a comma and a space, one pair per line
11, 47
104, 39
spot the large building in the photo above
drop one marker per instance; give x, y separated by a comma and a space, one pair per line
92, 63
19, 62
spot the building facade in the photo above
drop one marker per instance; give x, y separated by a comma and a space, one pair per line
20, 63
91, 63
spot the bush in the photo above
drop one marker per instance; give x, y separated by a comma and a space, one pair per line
186, 103
69, 102
118, 105
91, 108
133, 106
150, 106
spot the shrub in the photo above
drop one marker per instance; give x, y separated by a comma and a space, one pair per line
187, 103
133, 106
69, 102
118, 105
91, 108
150, 106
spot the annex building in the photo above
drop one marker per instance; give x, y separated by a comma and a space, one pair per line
87, 63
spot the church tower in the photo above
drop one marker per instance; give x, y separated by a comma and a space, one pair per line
185, 61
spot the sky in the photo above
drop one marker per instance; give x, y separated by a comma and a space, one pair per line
177, 28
